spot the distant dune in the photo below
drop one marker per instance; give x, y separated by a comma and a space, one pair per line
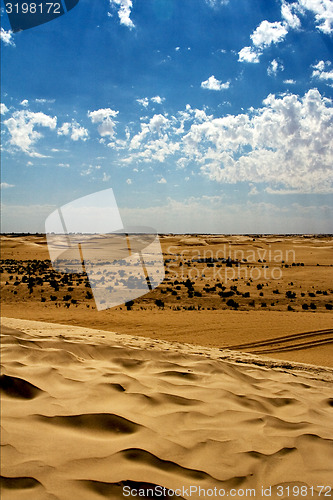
89, 414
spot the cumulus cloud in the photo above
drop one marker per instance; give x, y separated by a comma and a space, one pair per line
323, 11
106, 177
320, 71
74, 130
6, 37
213, 84
24, 103
124, 11
128, 181
21, 126
289, 82
3, 109
145, 100
288, 140
5, 185
157, 99
104, 116
248, 54
267, 33
158, 123
161, 181
274, 67
289, 14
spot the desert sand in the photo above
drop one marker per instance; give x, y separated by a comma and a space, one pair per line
274, 297
218, 383
89, 413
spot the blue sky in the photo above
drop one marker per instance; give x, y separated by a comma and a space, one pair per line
202, 115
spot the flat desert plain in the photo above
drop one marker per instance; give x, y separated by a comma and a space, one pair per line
216, 384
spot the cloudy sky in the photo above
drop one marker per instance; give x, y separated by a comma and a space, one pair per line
202, 115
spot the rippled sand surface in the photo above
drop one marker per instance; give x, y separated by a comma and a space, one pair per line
88, 412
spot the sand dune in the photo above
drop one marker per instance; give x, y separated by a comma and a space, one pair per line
87, 413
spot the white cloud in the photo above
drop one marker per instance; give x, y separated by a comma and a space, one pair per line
75, 131
104, 116
267, 33
288, 140
320, 73
5, 185
248, 54
144, 102
106, 177
216, 3
158, 123
157, 99
90, 170
63, 165
213, 84
161, 181
6, 37
124, 11
21, 126
128, 181
253, 191
323, 11
24, 103
274, 67
44, 101
289, 82
3, 109
288, 14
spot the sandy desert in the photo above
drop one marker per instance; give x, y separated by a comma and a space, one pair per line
195, 390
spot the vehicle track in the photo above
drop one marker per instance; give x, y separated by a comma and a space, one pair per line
288, 342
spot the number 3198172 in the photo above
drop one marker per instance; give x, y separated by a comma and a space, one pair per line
33, 8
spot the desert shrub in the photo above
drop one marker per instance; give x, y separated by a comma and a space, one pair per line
42, 299
232, 303
329, 307
263, 304
290, 308
74, 301
252, 303
290, 294
311, 294
261, 294
129, 305
305, 307
226, 294
246, 294
276, 291
313, 306
66, 297
197, 294
259, 286
159, 303
89, 295
53, 297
